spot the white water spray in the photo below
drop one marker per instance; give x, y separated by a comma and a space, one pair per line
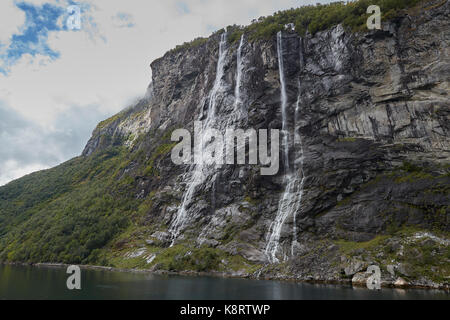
239, 111
218, 83
283, 100
240, 67
199, 172
298, 143
291, 199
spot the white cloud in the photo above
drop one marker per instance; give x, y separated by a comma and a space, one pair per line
12, 170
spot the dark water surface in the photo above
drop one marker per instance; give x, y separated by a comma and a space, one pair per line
25, 282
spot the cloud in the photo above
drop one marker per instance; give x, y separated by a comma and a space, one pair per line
27, 147
123, 20
183, 7
32, 40
16, 18
41, 19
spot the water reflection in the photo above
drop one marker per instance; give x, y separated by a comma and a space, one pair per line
21, 282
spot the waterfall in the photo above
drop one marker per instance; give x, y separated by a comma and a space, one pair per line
290, 201
231, 116
283, 100
298, 143
199, 172
238, 112
218, 83
298, 176
240, 67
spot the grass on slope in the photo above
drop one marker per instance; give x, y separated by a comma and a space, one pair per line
64, 214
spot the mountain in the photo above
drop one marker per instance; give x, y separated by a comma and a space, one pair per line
364, 169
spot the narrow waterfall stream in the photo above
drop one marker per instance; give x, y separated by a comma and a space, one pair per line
285, 128
199, 172
291, 198
299, 153
298, 176
239, 111
240, 68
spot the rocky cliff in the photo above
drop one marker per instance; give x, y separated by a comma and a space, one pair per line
366, 176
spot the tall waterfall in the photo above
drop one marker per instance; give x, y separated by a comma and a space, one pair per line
240, 68
285, 128
290, 201
199, 172
298, 145
218, 83
239, 111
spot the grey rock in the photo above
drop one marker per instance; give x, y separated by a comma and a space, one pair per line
360, 278
354, 267
391, 269
400, 282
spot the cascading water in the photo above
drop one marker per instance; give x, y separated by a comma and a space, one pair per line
298, 145
199, 172
240, 68
291, 199
218, 83
231, 119
283, 100
239, 111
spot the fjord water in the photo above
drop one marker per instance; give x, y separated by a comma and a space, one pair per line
40, 283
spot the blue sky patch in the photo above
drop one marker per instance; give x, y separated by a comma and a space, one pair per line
40, 20
123, 20
183, 7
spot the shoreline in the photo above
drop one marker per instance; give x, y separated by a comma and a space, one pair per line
227, 275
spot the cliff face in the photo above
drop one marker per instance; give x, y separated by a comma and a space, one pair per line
367, 181
372, 113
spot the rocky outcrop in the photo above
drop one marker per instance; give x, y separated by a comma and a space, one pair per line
373, 114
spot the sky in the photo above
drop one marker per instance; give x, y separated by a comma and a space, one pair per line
57, 83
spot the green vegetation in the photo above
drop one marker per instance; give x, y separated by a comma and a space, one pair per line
252, 201
108, 121
422, 257
321, 17
184, 258
84, 211
64, 214
347, 139
234, 33
191, 44
419, 257
162, 150
313, 18
348, 247
68, 213
410, 172
180, 257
